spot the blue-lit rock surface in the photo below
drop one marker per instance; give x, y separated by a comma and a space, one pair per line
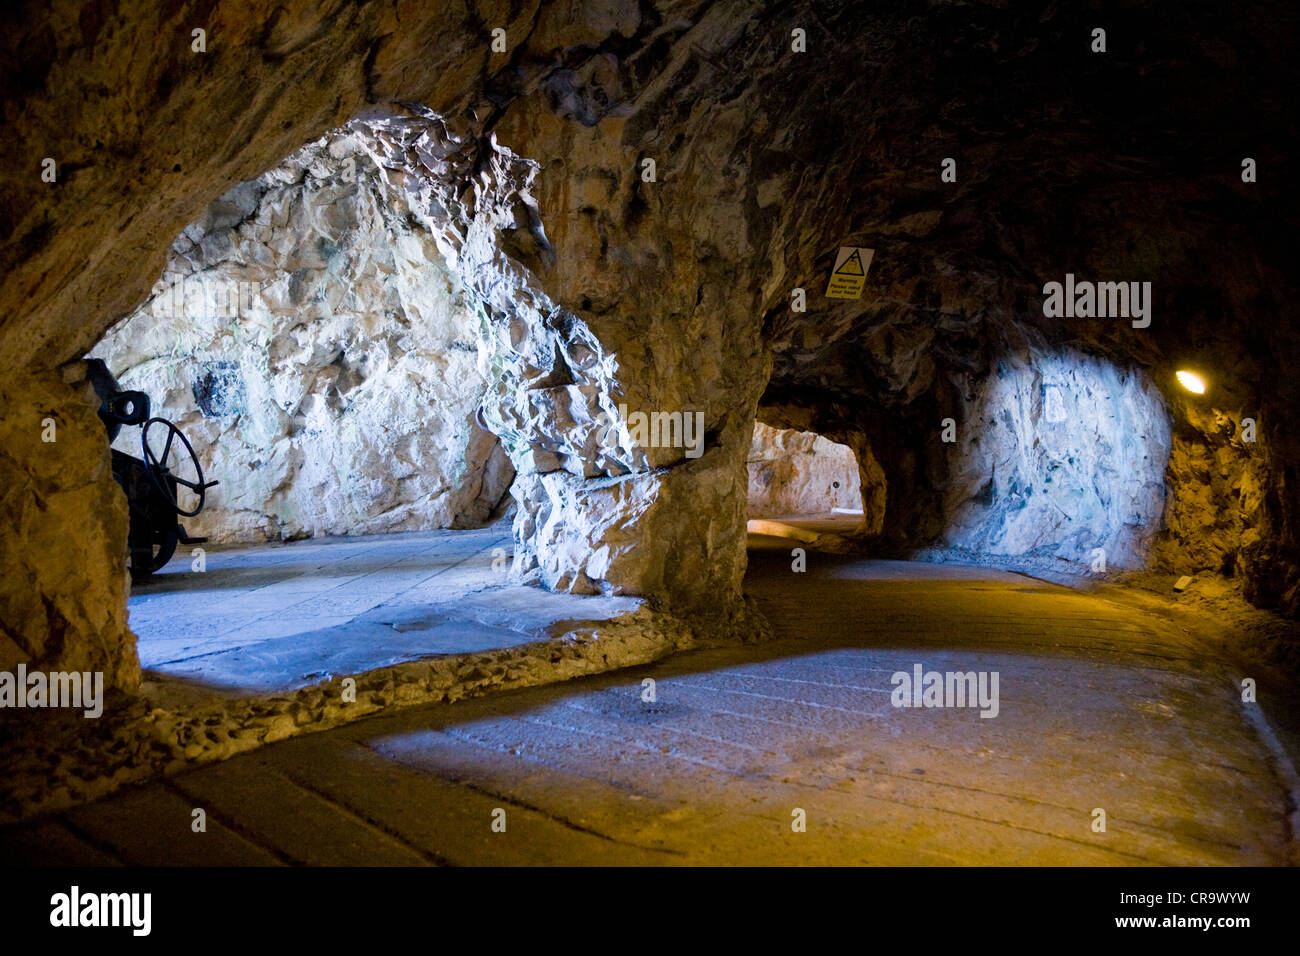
1059, 455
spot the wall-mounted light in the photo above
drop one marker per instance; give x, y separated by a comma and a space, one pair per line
1191, 381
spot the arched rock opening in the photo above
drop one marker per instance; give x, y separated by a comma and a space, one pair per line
798, 473
1049, 455
308, 339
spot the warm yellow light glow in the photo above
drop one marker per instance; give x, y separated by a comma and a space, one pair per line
1191, 381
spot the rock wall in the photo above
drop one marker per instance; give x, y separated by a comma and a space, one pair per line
1234, 514
800, 473
585, 329
1056, 456
956, 284
309, 341
829, 420
62, 532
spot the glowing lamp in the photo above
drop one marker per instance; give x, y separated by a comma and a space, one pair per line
1191, 381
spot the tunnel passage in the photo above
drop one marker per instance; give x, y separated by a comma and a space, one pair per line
1051, 454
800, 474
308, 338
343, 268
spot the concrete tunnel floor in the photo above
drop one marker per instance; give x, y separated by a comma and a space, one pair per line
265, 619
1102, 705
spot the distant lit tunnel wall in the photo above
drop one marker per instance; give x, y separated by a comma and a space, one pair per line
795, 472
1056, 456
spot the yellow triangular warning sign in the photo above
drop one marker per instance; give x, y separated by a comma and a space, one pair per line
849, 273
852, 266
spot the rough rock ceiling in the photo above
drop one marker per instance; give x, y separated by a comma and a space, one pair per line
1123, 163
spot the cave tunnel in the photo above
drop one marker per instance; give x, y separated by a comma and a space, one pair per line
669, 426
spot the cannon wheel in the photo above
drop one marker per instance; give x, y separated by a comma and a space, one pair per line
160, 551
153, 533
161, 475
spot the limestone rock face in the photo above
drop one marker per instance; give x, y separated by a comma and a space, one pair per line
836, 424
619, 535
798, 473
62, 533
309, 341
1230, 516
1059, 455
604, 505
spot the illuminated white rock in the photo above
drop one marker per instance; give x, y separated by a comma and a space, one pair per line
309, 340
800, 473
1025, 484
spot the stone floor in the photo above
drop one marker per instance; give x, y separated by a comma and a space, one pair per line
277, 617
1101, 706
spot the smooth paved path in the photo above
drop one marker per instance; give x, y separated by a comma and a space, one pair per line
1100, 707
271, 618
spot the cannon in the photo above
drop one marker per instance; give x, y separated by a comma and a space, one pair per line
152, 482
